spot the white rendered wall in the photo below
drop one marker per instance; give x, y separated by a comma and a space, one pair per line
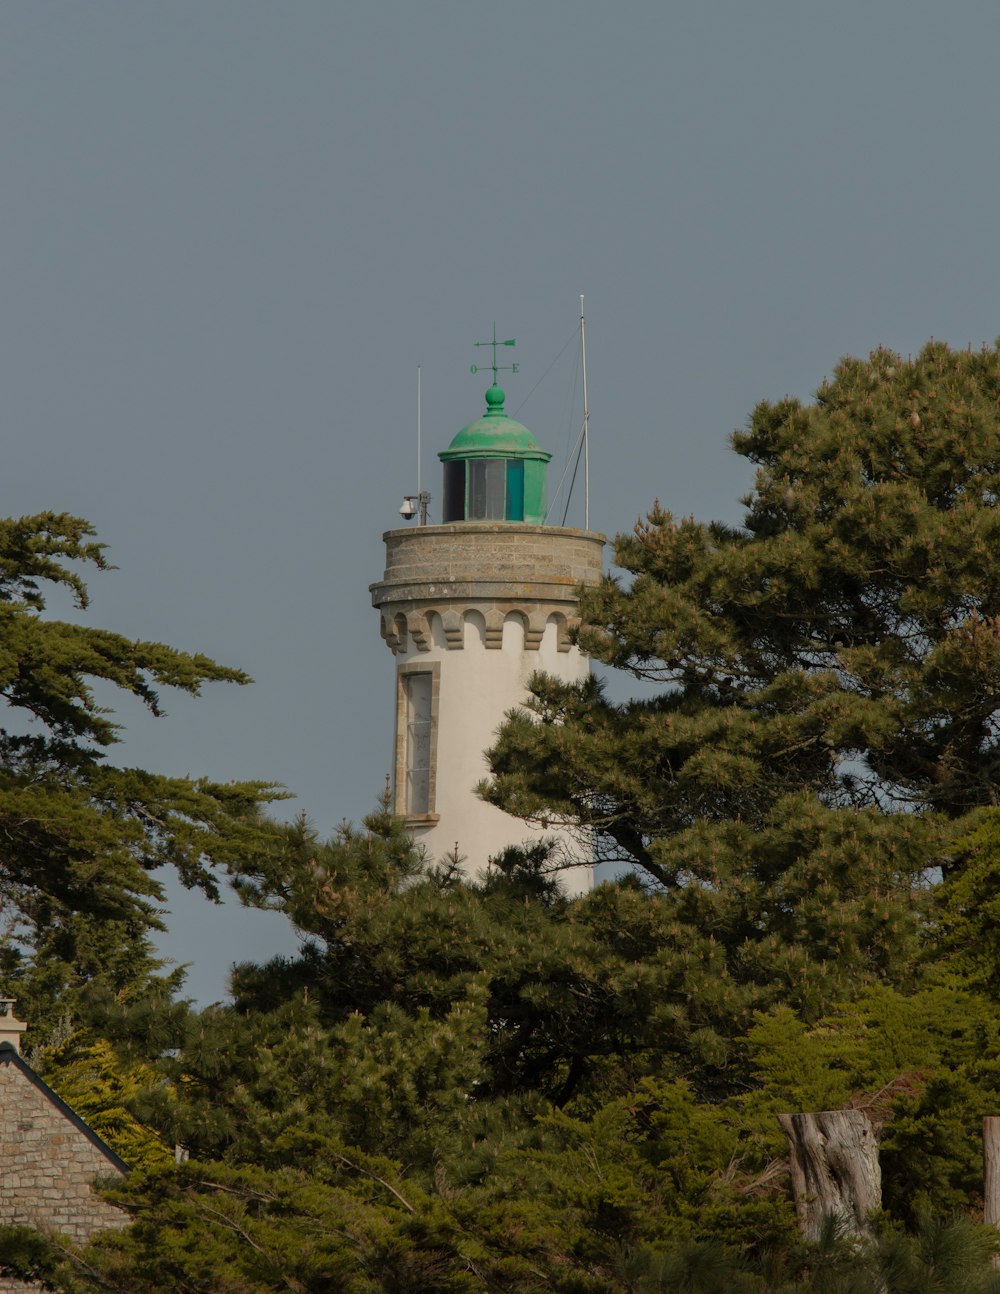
478, 685
481, 606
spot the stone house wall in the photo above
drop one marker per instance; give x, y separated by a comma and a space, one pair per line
49, 1159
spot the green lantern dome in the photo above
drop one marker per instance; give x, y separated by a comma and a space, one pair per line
494, 469
494, 434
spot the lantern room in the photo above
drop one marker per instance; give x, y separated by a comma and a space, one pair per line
494, 470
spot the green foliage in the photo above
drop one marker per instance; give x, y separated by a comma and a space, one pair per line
559, 996
81, 838
926, 1064
356, 1223
488, 1086
246, 1231
841, 643
829, 712
91, 1078
388, 1083
652, 1167
969, 902
26, 1254
943, 1254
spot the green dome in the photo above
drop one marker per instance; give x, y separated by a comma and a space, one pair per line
494, 435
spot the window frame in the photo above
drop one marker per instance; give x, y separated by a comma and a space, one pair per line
401, 760
472, 483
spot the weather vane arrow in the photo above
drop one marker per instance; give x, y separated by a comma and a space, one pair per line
497, 368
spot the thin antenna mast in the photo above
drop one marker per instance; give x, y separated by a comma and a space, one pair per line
586, 422
422, 497
582, 445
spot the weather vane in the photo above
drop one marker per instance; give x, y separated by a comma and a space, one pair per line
497, 368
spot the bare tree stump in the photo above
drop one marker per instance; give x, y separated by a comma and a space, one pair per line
835, 1169
991, 1174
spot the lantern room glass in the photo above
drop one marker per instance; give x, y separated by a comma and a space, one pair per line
484, 489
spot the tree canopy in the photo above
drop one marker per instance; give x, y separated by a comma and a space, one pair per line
468, 1085
830, 675
80, 838
842, 641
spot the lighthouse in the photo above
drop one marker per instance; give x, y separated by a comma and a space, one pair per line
470, 609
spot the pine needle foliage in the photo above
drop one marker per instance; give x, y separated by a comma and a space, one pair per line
842, 641
487, 1086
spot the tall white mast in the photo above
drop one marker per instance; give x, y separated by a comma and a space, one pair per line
586, 422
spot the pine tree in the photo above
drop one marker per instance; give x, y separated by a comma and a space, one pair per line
490, 1086
830, 675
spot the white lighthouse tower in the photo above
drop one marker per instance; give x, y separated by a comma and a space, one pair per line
470, 610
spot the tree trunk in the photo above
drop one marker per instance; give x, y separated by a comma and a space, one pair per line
835, 1169
991, 1174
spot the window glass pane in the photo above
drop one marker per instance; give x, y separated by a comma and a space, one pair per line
418, 742
454, 491
515, 490
487, 479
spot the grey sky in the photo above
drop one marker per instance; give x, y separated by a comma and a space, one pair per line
231, 231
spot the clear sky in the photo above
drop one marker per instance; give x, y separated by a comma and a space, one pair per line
230, 232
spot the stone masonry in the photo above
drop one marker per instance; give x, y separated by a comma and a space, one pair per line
497, 568
49, 1160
